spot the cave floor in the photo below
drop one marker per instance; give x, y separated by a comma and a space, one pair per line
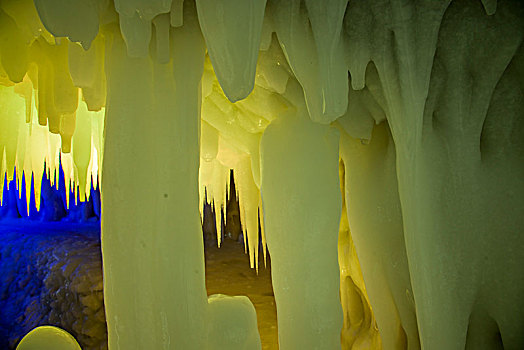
228, 272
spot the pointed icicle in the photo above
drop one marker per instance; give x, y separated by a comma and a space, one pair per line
262, 230
220, 174
232, 30
52, 156
249, 199
38, 154
326, 22
68, 168
82, 149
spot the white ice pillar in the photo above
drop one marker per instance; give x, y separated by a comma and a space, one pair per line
302, 206
152, 246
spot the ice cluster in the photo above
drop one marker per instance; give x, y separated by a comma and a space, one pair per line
415, 109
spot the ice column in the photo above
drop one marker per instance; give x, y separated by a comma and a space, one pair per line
151, 235
375, 219
302, 205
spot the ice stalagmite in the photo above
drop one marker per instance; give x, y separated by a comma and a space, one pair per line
302, 206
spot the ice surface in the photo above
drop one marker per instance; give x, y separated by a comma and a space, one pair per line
48, 338
233, 323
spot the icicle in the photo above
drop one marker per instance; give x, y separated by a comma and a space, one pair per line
232, 32
52, 157
12, 114
262, 230
248, 200
68, 169
39, 147
220, 175
82, 149
326, 24
13, 46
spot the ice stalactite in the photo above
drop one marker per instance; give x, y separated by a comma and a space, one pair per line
239, 127
232, 31
443, 95
302, 207
310, 36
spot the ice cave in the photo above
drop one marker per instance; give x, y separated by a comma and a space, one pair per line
364, 160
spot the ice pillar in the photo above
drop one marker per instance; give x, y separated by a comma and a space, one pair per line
151, 235
302, 206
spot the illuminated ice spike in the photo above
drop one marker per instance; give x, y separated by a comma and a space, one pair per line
48, 338
249, 198
220, 186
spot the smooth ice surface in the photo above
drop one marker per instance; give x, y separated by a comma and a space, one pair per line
156, 305
302, 208
48, 338
233, 323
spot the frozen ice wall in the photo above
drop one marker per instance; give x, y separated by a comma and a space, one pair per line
415, 106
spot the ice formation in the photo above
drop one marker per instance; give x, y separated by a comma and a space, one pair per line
413, 108
48, 338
